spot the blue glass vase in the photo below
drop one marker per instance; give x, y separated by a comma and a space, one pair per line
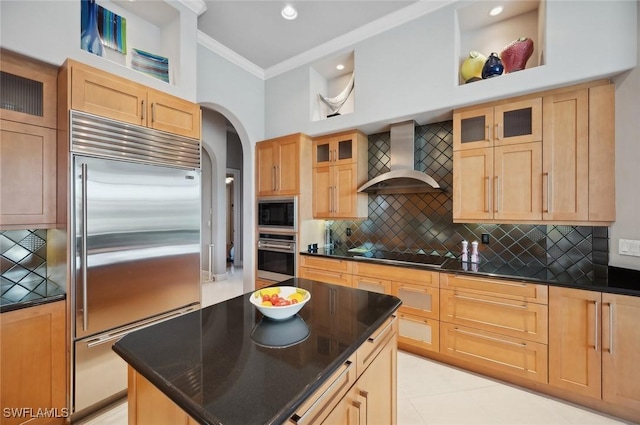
492, 67
90, 38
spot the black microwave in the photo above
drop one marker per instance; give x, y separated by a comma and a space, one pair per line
278, 214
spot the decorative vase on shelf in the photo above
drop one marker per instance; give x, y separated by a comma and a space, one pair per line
90, 36
471, 69
516, 54
492, 67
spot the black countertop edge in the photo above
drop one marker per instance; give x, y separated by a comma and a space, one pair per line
619, 281
5, 308
205, 417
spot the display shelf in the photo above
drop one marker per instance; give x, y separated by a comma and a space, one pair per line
477, 30
326, 80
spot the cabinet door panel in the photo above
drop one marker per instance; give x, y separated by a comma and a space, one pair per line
27, 174
418, 299
515, 356
326, 276
322, 192
566, 149
418, 332
518, 122
345, 186
574, 347
172, 114
518, 182
99, 93
266, 172
472, 185
621, 350
602, 163
378, 386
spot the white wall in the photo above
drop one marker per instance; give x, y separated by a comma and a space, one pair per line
50, 31
411, 71
239, 96
627, 225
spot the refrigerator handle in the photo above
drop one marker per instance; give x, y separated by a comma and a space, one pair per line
83, 248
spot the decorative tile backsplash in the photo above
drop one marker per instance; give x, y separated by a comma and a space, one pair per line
424, 222
23, 265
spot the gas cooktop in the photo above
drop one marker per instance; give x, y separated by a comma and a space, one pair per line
402, 258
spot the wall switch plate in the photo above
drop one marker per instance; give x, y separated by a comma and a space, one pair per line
629, 247
485, 238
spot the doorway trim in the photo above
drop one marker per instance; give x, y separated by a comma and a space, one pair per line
237, 224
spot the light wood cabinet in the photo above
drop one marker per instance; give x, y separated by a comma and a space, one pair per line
278, 165
339, 167
502, 183
29, 90
544, 158
325, 269
502, 123
496, 324
28, 170
33, 365
579, 155
101, 93
594, 344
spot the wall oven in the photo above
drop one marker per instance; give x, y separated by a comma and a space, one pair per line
279, 214
276, 256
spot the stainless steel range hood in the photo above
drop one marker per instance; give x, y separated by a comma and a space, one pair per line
402, 178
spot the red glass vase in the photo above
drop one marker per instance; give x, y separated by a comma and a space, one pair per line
516, 54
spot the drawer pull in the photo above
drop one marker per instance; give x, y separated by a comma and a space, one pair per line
505, 283
517, 344
319, 403
595, 328
372, 339
519, 306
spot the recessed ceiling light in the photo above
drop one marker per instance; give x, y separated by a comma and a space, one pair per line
340, 67
289, 13
496, 11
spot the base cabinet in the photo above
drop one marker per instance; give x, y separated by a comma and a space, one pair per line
33, 365
594, 343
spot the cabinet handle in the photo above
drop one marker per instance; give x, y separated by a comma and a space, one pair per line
595, 328
144, 111
497, 192
273, 178
335, 199
83, 250
497, 131
372, 339
487, 133
517, 344
461, 297
363, 412
153, 112
611, 325
487, 196
546, 193
277, 179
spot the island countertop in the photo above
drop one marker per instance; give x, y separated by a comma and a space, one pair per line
226, 364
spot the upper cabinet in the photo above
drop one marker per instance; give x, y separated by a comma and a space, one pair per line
101, 93
515, 163
28, 143
278, 165
339, 167
503, 124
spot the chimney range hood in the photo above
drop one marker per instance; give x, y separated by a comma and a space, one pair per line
402, 178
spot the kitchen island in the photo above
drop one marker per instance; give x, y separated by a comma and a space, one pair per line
226, 364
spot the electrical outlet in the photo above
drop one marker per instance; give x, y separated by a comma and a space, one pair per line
348, 231
485, 238
629, 247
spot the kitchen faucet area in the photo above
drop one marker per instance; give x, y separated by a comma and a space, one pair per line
354, 212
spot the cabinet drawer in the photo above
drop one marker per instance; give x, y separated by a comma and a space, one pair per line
326, 276
416, 331
502, 288
375, 343
316, 408
418, 300
512, 355
401, 274
372, 284
518, 319
338, 266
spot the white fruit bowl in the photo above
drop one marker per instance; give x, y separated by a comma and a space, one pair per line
280, 312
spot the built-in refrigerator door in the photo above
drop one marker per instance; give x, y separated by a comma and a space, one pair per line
136, 243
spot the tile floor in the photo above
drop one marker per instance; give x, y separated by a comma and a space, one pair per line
430, 393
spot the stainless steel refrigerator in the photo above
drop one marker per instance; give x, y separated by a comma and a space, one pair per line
135, 244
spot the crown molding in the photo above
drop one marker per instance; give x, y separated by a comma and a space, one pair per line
404, 15
397, 18
230, 55
197, 6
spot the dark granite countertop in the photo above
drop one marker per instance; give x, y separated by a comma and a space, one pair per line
15, 296
221, 366
618, 280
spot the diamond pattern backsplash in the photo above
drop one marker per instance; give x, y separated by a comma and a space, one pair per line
424, 222
23, 265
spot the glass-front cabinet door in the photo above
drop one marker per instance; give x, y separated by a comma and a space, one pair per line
472, 129
334, 150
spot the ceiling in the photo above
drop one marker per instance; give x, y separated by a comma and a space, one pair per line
256, 30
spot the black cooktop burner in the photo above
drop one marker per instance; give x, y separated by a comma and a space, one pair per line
402, 258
